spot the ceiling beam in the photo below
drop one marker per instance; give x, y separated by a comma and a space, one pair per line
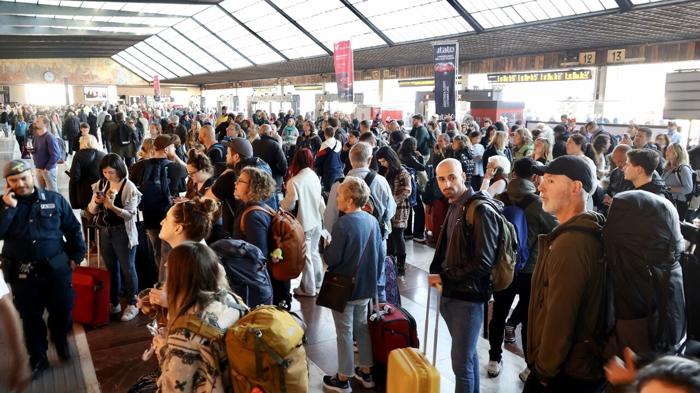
254, 34
154, 61
51, 10
466, 15
298, 26
367, 22
67, 38
130, 67
29, 31
31, 21
625, 5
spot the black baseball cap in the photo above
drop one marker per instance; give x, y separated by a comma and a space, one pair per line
573, 167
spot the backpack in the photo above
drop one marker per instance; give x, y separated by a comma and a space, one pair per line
263, 349
515, 214
246, 270
502, 273
369, 207
124, 134
287, 236
645, 308
155, 187
412, 199
696, 186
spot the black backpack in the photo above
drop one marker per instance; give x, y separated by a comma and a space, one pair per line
155, 187
246, 270
124, 134
645, 305
696, 187
220, 166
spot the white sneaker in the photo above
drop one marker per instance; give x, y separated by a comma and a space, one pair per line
115, 309
130, 313
524, 374
494, 368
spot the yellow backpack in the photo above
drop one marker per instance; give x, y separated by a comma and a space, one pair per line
264, 350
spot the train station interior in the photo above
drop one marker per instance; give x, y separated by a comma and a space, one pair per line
209, 84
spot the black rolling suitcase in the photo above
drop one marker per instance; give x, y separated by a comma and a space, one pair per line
690, 263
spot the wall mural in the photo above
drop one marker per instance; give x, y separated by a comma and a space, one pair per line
78, 71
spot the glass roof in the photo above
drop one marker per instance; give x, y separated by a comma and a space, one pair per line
330, 22
412, 20
274, 28
193, 39
490, 13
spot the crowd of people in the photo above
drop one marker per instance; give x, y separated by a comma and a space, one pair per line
189, 179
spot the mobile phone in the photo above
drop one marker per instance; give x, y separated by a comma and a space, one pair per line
100, 193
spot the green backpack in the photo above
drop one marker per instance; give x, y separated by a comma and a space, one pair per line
502, 273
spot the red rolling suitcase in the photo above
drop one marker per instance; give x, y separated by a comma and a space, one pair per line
391, 327
91, 286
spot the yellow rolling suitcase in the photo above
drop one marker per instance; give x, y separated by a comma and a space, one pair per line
409, 370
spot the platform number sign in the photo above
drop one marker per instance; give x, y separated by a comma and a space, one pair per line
616, 56
586, 58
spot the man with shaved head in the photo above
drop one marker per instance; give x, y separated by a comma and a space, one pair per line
462, 267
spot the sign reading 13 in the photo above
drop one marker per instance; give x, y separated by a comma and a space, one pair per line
616, 56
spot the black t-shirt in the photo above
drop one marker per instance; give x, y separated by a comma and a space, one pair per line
177, 175
223, 189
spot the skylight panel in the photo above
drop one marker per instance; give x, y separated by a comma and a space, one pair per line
169, 51
124, 63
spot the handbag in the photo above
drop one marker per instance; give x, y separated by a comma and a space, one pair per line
336, 289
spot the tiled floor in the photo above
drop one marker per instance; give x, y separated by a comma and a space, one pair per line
116, 349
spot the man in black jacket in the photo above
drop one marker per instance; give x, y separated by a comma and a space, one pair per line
640, 170
465, 278
270, 150
71, 131
643, 141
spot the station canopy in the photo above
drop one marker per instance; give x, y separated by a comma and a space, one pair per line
211, 41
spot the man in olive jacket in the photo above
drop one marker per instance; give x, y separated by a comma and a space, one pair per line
567, 299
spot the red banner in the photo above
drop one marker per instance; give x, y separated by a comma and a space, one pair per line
344, 68
156, 87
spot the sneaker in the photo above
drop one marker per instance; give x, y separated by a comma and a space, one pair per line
115, 309
130, 313
494, 368
335, 384
524, 375
509, 334
365, 379
419, 240
300, 292
39, 368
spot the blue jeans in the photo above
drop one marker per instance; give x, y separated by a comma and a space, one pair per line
464, 320
120, 259
348, 324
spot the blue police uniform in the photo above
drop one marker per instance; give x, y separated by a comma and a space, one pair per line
40, 274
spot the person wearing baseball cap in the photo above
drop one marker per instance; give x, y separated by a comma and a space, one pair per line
521, 192
38, 261
155, 203
567, 295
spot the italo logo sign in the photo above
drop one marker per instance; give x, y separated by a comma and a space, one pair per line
445, 49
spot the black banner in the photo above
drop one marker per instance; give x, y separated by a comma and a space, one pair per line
445, 58
546, 76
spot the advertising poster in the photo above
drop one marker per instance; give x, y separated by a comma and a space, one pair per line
344, 68
156, 88
96, 93
445, 60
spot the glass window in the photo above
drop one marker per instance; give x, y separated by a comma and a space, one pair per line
185, 45
131, 67
273, 28
170, 52
145, 59
411, 20
523, 11
140, 65
330, 22
160, 58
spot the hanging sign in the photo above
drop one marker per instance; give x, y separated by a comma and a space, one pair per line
445, 59
548, 76
344, 68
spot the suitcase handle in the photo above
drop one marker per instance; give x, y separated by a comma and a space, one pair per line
437, 325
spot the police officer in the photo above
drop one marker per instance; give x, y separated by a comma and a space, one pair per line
33, 224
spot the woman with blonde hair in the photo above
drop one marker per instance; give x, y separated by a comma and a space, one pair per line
497, 146
147, 150
543, 151
678, 176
